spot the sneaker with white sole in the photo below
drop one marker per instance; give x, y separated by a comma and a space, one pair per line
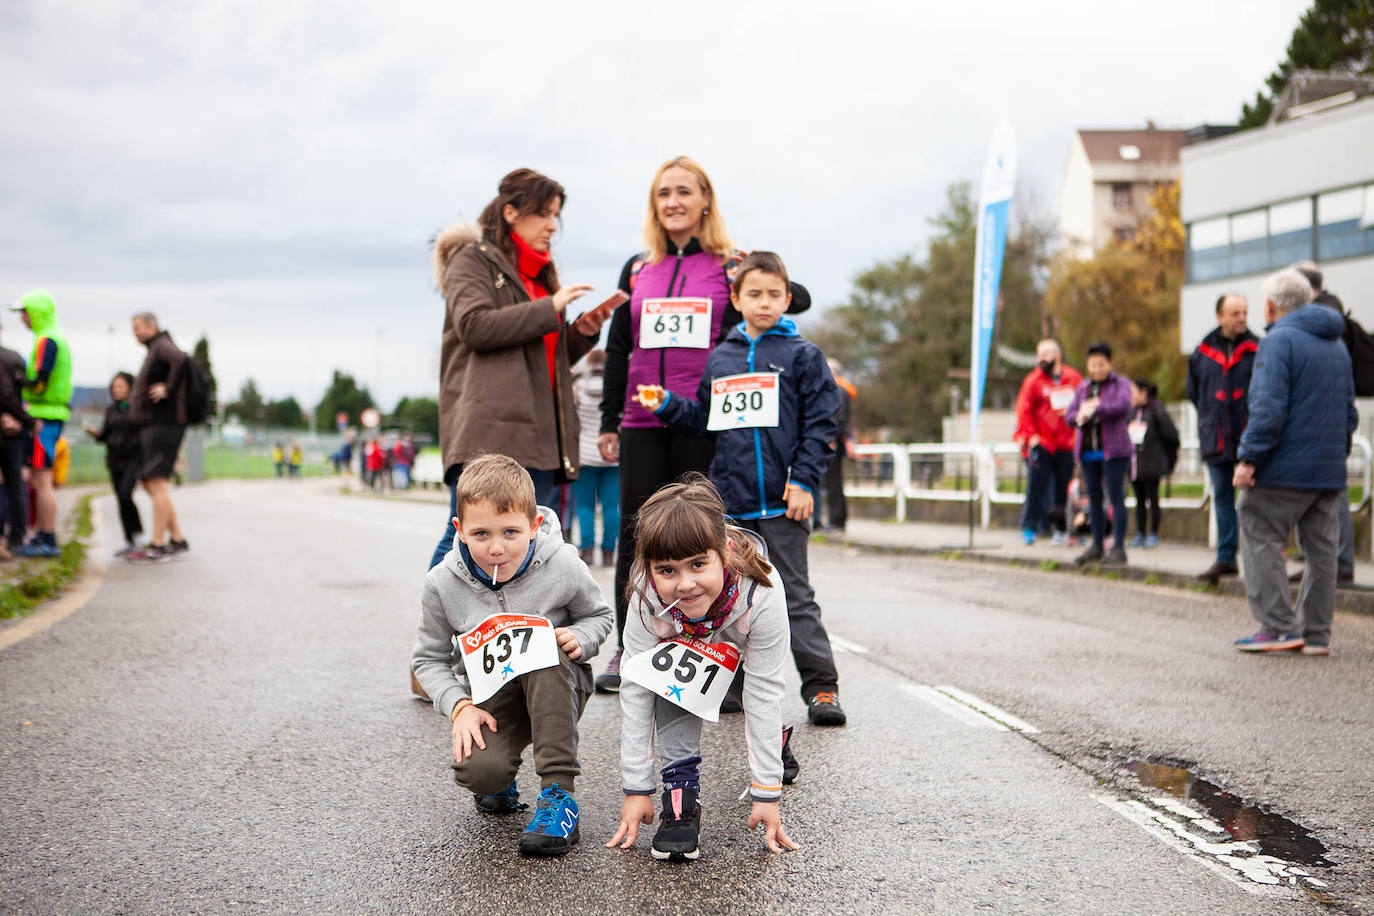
609, 681
554, 828
679, 827
1267, 640
1310, 649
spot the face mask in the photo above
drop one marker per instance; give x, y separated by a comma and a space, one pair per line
1046, 367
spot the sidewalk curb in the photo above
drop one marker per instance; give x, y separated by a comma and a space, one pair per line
1354, 601
76, 595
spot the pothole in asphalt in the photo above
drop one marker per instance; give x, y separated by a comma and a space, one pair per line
1210, 807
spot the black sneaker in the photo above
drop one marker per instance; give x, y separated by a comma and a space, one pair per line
1115, 557
609, 681
730, 706
153, 553
1091, 555
678, 827
824, 709
175, 546
507, 801
790, 767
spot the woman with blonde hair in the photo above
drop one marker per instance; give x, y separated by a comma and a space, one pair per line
679, 309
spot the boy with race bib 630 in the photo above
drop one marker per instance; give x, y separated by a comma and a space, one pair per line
770, 398
704, 604
508, 621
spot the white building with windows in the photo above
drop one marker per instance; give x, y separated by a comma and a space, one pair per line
1108, 179
1256, 201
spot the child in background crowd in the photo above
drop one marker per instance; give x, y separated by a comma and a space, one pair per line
1155, 439
509, 559
695, 577
769, 396
598, 480
123, 458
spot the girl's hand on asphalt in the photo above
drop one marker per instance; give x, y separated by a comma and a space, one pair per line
567, 641
635, 810
467, 731
766, 813
608, 444
570, 294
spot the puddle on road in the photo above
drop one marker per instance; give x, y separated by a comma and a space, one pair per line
1275, 835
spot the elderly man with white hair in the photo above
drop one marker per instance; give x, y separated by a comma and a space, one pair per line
1291, 465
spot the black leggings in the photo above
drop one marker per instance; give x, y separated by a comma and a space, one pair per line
1147, 512
649, 458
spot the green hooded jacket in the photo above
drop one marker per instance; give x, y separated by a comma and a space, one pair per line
48, 399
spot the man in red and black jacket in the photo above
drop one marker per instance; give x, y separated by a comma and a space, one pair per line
1046, 439
1218, 385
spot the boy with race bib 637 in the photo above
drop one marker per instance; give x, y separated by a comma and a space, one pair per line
526, 615
770, 398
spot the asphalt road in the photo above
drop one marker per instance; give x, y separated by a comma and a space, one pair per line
232, 732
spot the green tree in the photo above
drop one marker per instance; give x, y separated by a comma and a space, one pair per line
1332, 35
1128, 295
201, 354
249, 406
907, 321
344, 395
285, 413
419, 415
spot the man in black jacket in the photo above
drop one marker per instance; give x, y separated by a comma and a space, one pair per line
14, 421
1218, 385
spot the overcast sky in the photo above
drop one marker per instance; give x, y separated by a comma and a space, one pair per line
270, 174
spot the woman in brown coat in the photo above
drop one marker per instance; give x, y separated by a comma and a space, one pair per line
505, 380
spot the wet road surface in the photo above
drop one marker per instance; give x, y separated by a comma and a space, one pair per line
232, 731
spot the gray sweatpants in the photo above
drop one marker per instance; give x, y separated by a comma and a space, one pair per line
1267, 516
788, 542
1345, 558
539, 708
677, 732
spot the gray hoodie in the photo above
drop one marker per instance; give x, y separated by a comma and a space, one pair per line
757, 625
557, 585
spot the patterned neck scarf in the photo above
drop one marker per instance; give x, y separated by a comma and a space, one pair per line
703, 626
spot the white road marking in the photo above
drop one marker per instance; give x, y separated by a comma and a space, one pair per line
987, 709
1239, 862
845, 645
952, 707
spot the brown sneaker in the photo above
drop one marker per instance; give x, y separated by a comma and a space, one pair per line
589, 556
1216, 571
608, 558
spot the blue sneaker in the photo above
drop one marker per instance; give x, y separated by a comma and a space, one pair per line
1152, 540
1138, 540
1028, 536
1267, 640
507, 801
37, 548
554, 828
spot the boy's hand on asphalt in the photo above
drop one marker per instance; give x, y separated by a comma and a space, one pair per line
651, 396
635, 810
800, 504
567, 641
767, 814
467, 731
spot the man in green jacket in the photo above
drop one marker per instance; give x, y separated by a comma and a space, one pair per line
47, 391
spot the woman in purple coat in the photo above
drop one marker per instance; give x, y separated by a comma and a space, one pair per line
1100, 409
679, 309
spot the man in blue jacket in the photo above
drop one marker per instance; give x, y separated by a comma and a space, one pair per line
1291, 463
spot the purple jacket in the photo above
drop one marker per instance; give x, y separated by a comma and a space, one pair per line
1114, 412
697, 276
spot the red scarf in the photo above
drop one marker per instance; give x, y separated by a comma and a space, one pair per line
530, 264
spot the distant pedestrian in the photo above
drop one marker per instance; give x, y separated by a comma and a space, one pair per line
13, 445
158, 404
279, 459
294, 460
1218, 382
1155, 439
1046, 437
402, 458
598, 481
836, 509
374, 464
1100, 408
1361, 349
47, 391
1291, 463
123, 458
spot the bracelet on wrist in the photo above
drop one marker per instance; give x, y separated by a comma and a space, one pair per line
459, 707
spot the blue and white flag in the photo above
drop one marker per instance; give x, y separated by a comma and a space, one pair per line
994, 211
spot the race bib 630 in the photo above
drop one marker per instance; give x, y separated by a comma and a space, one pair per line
743, 401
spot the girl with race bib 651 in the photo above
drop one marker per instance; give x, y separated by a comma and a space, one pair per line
706, 603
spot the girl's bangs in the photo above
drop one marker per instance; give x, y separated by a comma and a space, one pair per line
675, 530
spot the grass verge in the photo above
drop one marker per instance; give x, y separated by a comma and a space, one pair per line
34, 581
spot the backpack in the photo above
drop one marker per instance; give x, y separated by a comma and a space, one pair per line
197, 392
1361, 347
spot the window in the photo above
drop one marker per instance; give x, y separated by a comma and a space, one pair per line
1339, 214
1121, 195
1249, 242
1123, 233
1209, 243
1290, 232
